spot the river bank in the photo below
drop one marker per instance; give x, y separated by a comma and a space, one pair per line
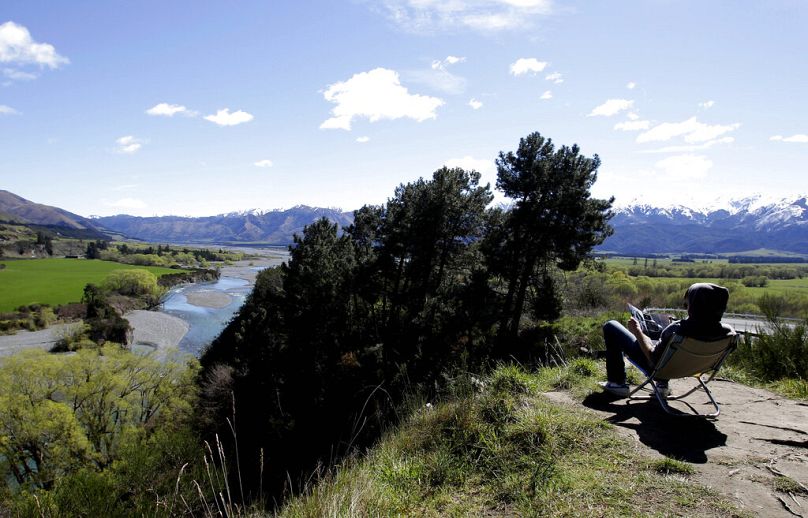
190, 316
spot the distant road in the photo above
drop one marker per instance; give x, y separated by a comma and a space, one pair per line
752, 324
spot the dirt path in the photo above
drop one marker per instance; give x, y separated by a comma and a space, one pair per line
757, 436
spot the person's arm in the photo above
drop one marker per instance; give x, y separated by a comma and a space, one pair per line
645, 342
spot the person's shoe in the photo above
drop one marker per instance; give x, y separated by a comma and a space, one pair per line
616, 389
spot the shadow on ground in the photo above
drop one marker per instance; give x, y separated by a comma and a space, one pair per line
683, 438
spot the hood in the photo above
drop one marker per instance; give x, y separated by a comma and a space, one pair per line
706, 302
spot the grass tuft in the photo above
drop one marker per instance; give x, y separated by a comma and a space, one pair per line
669, 466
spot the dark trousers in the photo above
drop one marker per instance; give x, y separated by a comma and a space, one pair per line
620, 341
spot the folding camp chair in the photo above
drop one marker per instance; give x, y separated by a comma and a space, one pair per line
686, 357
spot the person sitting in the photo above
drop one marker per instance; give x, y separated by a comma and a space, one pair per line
705, 303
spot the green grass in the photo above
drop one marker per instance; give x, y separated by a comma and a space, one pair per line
503, 449
54, 281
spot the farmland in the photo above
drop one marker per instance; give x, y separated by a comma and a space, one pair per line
54, 281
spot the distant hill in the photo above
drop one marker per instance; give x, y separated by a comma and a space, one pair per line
16, 209
272, 227
737, 226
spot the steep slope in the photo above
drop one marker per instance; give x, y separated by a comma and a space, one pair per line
16, 209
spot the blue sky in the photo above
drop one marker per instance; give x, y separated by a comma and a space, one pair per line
195, 107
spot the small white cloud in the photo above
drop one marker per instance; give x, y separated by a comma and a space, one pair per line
611, 107
524, 66
632, 125
706, 105
450, 60
263, 163
546, 95
475, 104
17, 46
685, 167
376, 95
692, 130
18, 75
438, 79
692, 147
169, 110
363, 140
225, 118
126, 203
555, 77
128, 145
631, 85
799, 138
632, 116
8, 110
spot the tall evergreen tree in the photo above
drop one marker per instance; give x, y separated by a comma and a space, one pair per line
554, 221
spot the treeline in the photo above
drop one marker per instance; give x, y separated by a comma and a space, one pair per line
326, 346
714, 270
162, 255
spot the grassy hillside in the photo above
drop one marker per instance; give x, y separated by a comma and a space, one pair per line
497, 447
54, 281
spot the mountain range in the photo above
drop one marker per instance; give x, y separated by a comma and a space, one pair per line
734, 226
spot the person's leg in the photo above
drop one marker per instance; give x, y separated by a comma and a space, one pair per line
619, 341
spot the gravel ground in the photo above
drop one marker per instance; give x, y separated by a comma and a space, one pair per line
43, 339
208, 299
157, 330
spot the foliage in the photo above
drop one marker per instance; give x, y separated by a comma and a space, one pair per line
134, 283
780, 353
94, 430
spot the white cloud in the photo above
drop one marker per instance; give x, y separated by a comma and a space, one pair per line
479, 15
546, 95
692, 147
798, 138
475, 104
684, 167
17, 46
555, 77
692, 130
363, 140
450, 60
523, 66
128, 145
18, 75
169, 110
126, 203
631, 85
225, 118
438, 79
263, 163
7, 110
611, 107
706, 105
632, 116
632, 125
376, 95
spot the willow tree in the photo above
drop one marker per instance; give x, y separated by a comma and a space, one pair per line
554, 221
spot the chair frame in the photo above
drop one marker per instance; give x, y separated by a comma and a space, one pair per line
704, 376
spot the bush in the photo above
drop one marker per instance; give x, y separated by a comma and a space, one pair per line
780, 354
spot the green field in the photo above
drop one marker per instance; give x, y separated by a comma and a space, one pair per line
54, 281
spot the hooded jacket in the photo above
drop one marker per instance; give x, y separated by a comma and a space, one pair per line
706, 303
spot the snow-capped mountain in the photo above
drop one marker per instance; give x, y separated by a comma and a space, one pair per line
736, 225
